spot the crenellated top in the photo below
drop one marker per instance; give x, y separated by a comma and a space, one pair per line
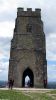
28, 12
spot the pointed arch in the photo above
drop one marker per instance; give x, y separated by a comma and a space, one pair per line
28, 72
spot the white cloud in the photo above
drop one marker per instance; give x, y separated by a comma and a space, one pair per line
4, 75
6, 29
51, 72
4, 57
8, 5
4, 66
4, 49
51, 46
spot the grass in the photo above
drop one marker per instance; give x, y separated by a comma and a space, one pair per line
17, 95
40, 96
12, 95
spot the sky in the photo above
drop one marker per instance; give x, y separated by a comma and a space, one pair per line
8, 13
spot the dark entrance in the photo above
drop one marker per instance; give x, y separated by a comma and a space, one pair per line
29, 73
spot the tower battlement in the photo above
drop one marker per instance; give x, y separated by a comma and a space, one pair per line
29, 12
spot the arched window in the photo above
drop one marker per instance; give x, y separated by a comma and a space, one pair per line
29, 28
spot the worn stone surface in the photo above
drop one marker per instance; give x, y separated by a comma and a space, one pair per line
28, 48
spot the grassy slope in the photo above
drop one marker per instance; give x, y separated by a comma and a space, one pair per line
12, 95
16, 95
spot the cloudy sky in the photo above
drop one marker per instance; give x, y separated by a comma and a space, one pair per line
8, 9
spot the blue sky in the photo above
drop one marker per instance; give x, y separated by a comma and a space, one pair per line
8, 9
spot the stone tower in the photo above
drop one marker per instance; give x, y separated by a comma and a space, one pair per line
28, 50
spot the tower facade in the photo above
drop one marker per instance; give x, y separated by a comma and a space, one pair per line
28, 50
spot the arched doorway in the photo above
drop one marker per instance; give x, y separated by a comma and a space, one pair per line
28, 72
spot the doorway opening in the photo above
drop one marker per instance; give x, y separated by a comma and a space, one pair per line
28, 78
27, 81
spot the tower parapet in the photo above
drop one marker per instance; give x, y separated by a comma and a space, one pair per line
29, 12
